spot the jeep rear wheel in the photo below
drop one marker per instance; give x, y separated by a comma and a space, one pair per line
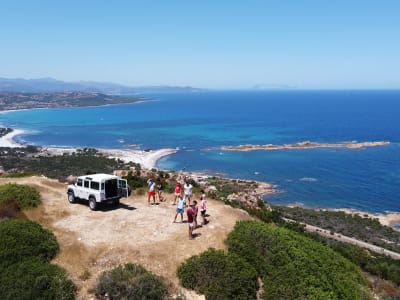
71, 197
92, 203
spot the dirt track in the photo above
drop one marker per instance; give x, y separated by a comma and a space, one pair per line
135, 232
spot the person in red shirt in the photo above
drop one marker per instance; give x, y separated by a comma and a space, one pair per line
190, 216
178, 192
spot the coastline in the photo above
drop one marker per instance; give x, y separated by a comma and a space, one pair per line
390, 219
148, 159
8, 139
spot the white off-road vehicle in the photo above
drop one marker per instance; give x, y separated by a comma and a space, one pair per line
98, 188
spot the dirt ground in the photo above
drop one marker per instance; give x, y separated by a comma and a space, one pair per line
135, 232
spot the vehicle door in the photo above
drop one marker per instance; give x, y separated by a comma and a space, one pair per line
123, 188
79, 188
86, 189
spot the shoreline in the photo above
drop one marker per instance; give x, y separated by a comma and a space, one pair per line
7, 140
148, 159
390, 219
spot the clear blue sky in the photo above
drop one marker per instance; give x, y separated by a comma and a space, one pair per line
214, 44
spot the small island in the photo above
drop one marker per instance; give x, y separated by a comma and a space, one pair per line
305, 145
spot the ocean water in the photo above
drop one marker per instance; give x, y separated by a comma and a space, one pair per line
199, 123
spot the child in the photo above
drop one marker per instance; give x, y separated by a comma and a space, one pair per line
180, 208
203, 207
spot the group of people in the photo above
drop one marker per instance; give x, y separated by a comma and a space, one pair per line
182, 200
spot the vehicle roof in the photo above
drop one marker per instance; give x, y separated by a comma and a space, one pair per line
99, 177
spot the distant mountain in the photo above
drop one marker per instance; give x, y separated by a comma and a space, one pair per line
20, 85
273, 86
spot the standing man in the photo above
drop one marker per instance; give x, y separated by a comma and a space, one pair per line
187, 188
203, 207
151, 191
190, 216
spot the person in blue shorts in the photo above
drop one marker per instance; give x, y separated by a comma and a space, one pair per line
180, 208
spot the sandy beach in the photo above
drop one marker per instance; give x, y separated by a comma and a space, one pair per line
147, 159
8, 139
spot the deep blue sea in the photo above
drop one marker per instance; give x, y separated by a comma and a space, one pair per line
198, 123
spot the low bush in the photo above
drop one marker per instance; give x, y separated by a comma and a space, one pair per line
135, 181
25, 196
33, 279
131, 282
294, 266
23, 238
219, 275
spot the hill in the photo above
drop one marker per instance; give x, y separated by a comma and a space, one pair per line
16, 100
49, 85
92, 242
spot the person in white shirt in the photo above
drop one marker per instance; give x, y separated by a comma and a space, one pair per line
203, 207
151, 191
187, 190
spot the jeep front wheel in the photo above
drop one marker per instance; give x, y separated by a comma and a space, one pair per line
71, 197
92, 203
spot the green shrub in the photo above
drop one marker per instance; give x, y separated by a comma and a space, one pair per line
131, 282
33, 279
294, 266
219, 276
135, 181
23, 238
25, 196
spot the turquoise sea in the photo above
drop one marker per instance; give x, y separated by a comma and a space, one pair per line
199, 123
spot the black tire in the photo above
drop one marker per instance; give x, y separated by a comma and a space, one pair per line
92, 203
71, 197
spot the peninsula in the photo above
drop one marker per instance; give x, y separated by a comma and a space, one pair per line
305, 145
16, 101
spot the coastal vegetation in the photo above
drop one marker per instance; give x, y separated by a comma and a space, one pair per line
4, 131
83, 161
290, 265
130, 281
24, 195
25, 272
219, 275
295, 267
360, 227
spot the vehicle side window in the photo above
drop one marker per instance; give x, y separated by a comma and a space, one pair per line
94, 185
86, 183
79, 182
